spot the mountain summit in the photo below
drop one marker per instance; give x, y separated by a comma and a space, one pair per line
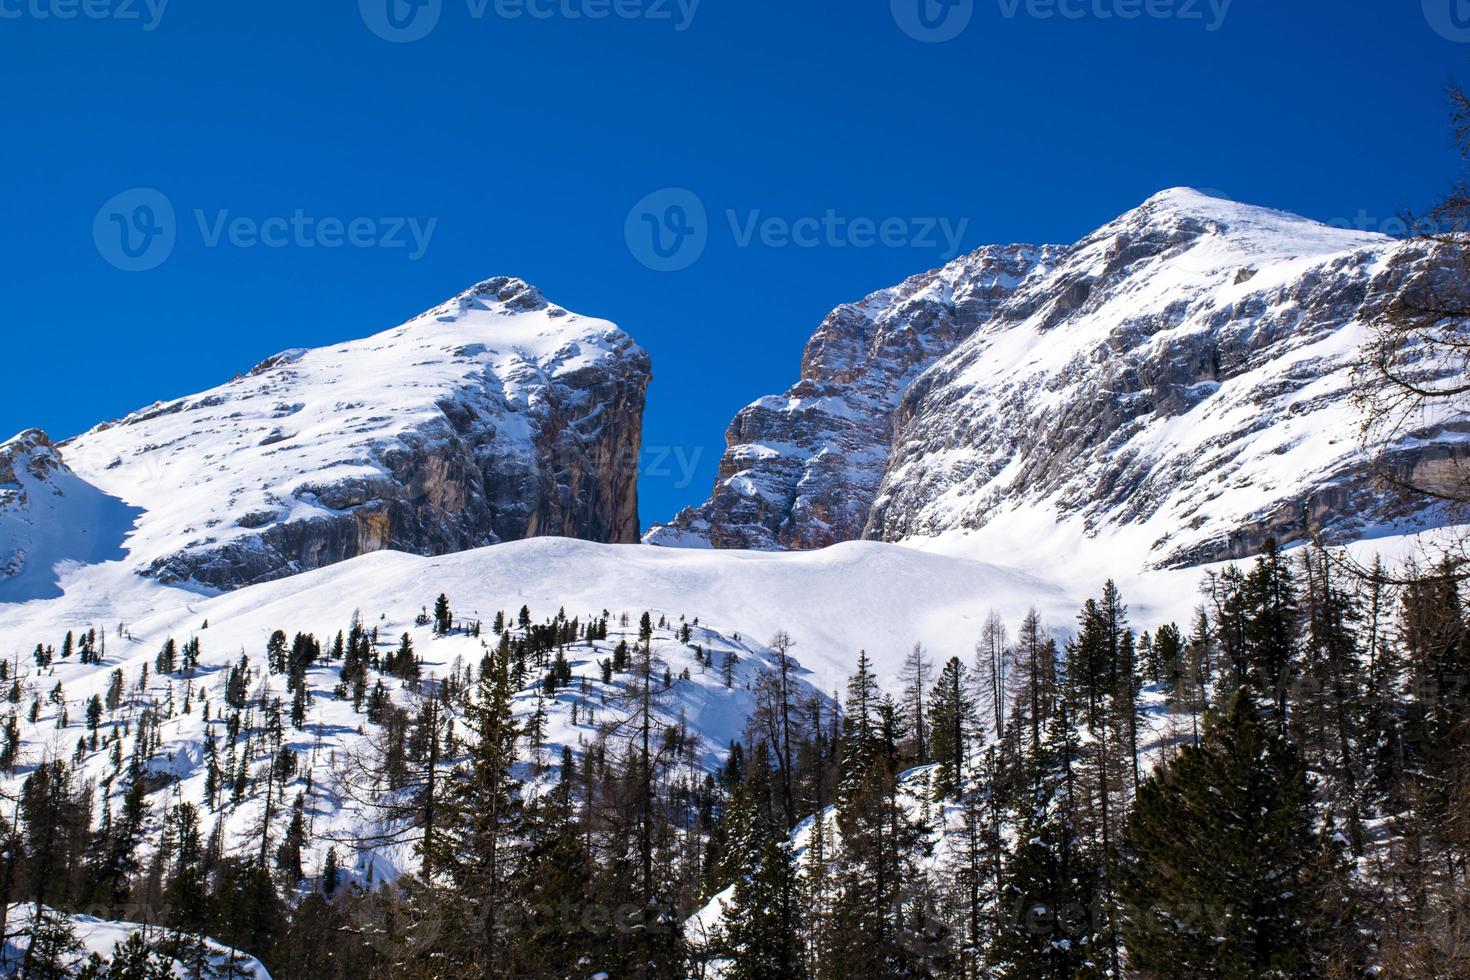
493, 417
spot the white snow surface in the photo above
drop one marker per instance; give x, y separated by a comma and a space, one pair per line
862, 595
102, 936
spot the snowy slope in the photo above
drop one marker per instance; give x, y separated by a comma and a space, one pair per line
102, 937
860, 595
882, 598
387, 591
492, 417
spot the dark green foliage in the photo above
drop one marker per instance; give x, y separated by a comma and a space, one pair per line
952, 722
443, 618
1225, 875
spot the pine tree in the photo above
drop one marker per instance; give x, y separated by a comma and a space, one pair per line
54, 951
951, 721
557, 885
859, 727
443, 618
914, 679
288, 854
762, 918
483, 817
1048, 897
1271, 628
879, 883
331, 873
275, 652
1328, 698
1224, 878
1035, 676
168, 658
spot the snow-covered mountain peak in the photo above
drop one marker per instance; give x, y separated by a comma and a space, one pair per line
1217, 233
494, 416
1180, 378
1181, 381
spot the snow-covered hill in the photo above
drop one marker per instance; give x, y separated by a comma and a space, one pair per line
870, 596
105, 939
834, 602
493, 417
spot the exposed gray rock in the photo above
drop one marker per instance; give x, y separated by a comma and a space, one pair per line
801, 469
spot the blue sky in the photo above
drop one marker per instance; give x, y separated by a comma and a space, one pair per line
520, 144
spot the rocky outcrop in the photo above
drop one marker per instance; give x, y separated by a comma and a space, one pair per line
801, 469
494, 417
50, 517
29, 452
1182, 384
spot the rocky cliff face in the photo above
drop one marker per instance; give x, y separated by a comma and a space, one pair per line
1177, 385
1181, 385
801, 469
494, 417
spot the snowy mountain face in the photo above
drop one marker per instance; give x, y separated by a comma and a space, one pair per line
1179, 382
801, 468
494, 417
